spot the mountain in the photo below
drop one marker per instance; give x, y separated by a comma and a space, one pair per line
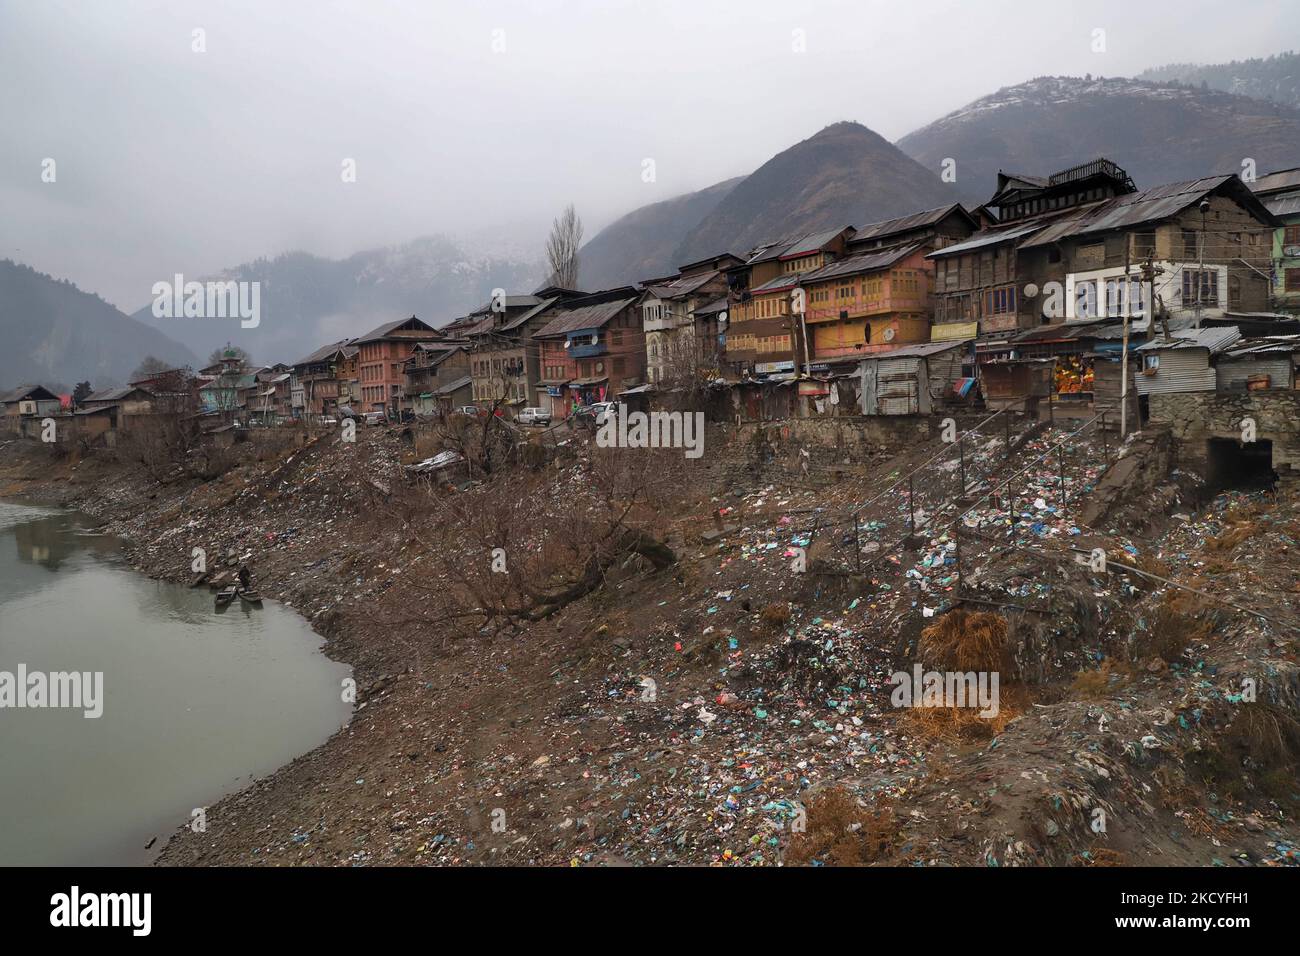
1275, 78
56, 335
1159, 132
641, 245
844, 175
307, 300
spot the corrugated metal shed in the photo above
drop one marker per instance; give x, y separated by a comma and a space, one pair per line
1213, 340
1233, 372
1180, 370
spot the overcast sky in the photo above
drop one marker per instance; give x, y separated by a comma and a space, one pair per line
484, 118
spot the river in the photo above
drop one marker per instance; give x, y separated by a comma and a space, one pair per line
195, 704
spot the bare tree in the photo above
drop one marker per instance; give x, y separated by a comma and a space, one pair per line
151, 365
562, 248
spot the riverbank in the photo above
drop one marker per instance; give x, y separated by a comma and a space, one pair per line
686, 715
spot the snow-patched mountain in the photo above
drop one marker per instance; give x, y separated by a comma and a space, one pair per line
1159, 132
308, 300
1274, 78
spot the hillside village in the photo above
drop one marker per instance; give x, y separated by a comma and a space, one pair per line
1068, 294
1054, 437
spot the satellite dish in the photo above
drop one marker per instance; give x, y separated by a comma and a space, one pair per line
595, 338
567, 343
889, 335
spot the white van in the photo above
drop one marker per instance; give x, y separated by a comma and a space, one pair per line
534, 415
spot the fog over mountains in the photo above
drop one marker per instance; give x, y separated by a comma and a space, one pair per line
1178, 123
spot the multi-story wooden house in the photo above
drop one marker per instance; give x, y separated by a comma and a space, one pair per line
591, 348
432, 367
982, 279
932, 228
382, 359
1280, 193
679, 345
1183, 251
319, 380
764, 333
503, 362
868, 302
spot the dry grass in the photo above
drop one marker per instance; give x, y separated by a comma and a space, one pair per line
1100, 856
1259, 749
1096, 683
1121, 560
956, 724
966, 641
775, 616
1177, 622
842, 833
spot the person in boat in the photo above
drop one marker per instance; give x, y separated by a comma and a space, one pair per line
244, 576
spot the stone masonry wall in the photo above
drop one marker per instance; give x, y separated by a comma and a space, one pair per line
1196, 417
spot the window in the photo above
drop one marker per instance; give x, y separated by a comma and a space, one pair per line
1000, 301
1151, 362
1085, 300
1291, 236
1144, 245
1124, 297
1292, 282
1200, 286
1189, 244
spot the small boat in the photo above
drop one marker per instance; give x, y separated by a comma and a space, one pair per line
225, 596
250, 597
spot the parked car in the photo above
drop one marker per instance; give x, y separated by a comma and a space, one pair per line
473, 411
374, 418
534, 415
602, 410
328, 420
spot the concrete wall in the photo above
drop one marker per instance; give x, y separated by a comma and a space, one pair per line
1196, 417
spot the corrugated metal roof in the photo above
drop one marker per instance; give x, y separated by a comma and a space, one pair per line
326, 351
989, 237
787, 280
916, 220
679, 286
541, 306
112, 394
717, 305
585, 317
915, 350
453, 385
389, 328
1213, 339
859, 264
790, 247
1283, 205
1275, 182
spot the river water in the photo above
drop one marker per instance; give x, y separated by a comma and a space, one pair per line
195, 703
